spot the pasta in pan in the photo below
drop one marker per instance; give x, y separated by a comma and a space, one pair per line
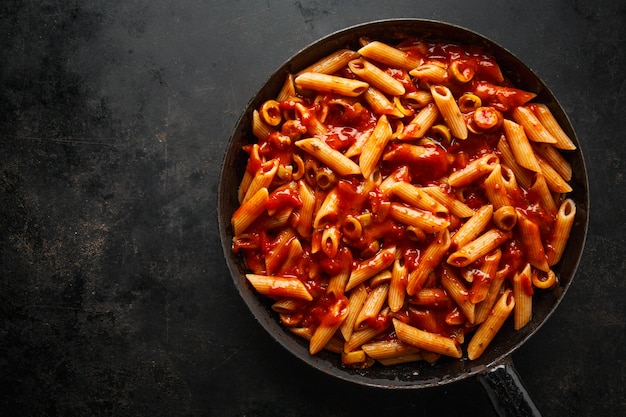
401, 201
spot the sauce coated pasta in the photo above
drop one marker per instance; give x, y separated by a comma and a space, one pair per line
401, 202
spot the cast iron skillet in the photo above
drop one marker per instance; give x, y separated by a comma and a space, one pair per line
494, 369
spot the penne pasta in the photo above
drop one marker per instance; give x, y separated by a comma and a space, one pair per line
488, 329
275, 286
374, 146
523, 294
479, 247
427, 341
388, 55
331, 157
330, 84
376, 77
564, 222
449, 110
520, 146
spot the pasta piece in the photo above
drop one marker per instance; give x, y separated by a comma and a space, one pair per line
397, 287
456, 207
495, 188
533, 128
553, 157
249, 211
373, 304
539, 186
430, 73
305, 212
355, 303
482, 283
427, 341
262, 179
335, 345
488, 329
451, 282
473, 227
274, 286
374, 146
547, 119
330, 84
449, 110
420, 124
479, 247
523, 294
424, 220
484, 307
280, 251
376, 77
562, 228
380, 103
260, 129
520, 146
388, 55
531, 240
332, 63
416, 197
288, 89
555, 182
430, 258
335, 315
390, 349
474, 170
370, 267
328, 209
522, 175
329, 156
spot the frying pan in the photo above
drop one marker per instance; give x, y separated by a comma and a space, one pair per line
494, 369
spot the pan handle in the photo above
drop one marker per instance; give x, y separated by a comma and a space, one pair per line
506, 391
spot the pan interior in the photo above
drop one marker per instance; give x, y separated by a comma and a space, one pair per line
411, 375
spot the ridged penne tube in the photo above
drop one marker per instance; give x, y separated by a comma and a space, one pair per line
274, 286
373, 304
523, 294
473, 227
428, 341
547, 119
562, 228
492, 324
389, 349
420, 124
431, 297
335, 315
374, 147
495, 188
388, 55
330, 84
370, 267
397, 286
531, 241
453, 285
260, 129
358, 338
416, 197
282, 244
483, 308
293, 256
482, 283
332, 63
552, 156
454, 205
334, 159
520, 146
304, 222
422, 219
401, 174
449, 110
355, 302
334, 345
430, 72
474, 170
555, 182
376, 77
539, 186
522, 175
430, 258
380, 104
286, 306
532, 126
249, 211
328, 208
479, 247
262, 179
505, 218
288, 89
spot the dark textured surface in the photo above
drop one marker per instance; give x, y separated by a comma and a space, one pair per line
114, 296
